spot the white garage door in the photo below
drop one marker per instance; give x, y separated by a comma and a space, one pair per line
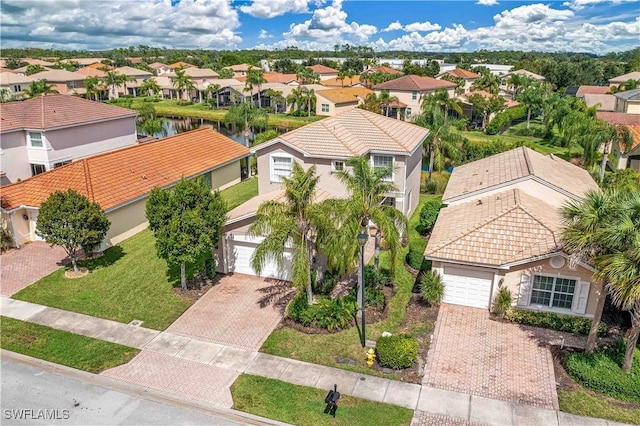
467, 287
240, 252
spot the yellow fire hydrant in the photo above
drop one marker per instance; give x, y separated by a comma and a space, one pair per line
371, 357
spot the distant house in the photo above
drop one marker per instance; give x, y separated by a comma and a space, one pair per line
120, 181
334, 101
383, 69
628, 101
46, 132
240, 70
468, 76
352, 133
15, 84
91, 72
179, 64
598, 96
136, 78
531, 75
23, 70
410, 91
625, 156
501, 229
342, 82
84, 62
160, 68
324, 71
65, 82
616, 81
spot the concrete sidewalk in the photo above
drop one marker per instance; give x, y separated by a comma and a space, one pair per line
430, 403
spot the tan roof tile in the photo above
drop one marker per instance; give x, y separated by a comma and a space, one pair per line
495, 230
132, 72
462, 73
344, 94
414, 83
347, 81
618, 117
635, 75
384, 69
58, 76
91, 72
123, 175
322, 69
497, 170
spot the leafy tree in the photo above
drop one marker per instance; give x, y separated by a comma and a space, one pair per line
488, 82
113, 80
531, 98
213, 89
68, 219
183, 83
291, 222
34, 69
92, 86
307, 76
518, 82
623, 180
39, 87
486, 106
148, 121
5, 95
150, 87
367, 187
225, 73
458, 81
441, 99
186, 221
247, 115
285, 66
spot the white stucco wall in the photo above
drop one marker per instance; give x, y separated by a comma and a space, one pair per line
14, 160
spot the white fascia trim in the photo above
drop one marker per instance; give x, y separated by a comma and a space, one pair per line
254, 150
546, 256
458, 262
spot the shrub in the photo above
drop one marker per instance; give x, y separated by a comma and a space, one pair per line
601, 372
330, 314
502, 303
397, 351
428, 216
210, 267
326, 284
415, 255
504, 118
376, 278
297, 308
472, 151
438, 183
553, 321
373, 297
432, 288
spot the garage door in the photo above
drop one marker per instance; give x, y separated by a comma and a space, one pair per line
467, 287
240, 252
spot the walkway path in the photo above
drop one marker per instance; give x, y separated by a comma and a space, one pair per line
23, 267
173, 363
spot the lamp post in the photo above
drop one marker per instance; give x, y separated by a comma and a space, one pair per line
362, 240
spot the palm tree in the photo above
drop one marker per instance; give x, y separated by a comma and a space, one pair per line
442, 139
367, 187
275, 98
40, 87
442, 99
488, 82
183, 83
621, 265
386, 100
91, 86
296, 99
289, 223
341, 76
150, 86
213, 88
531, 98
113, 80
516, 82
310, 99
307, 76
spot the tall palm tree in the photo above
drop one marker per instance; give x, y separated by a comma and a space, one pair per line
296, 99
517, 82
213, 89
150, 86
488, 82
621, 266
386, 100
442, 139
289, 223
310, 99
275, 98
91, 86
40, 87
183, 83
530, 97
442, 99
113, 80
255, 78
367, 187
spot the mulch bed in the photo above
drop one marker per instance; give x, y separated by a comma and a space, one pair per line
197, 287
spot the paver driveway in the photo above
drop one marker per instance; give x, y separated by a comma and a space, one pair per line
473, 354
238, 311
23, 267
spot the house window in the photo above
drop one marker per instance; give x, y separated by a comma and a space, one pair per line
207, 180
383, 161
408, 112
72, 85
414, 95
554, 292
325, 107
280, 167
389, 201
36, 169
337, 165
61, 163
17, 88
35, 139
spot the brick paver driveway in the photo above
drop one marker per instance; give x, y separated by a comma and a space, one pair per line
473, 354
27, 265
238, 311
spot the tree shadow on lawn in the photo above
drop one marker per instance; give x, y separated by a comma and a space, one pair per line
108, 258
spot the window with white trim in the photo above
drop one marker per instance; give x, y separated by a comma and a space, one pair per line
325, 107
36, 169
61, 163
35, 139
554, 292
337, 165
381, 162
414, 95
408, 112
72, 85
280, 167
17, 88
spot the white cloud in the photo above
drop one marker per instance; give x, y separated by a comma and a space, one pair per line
272, 8
394, 26
421, 27
77, 24
264, 34
487, 2
530, 14
581, 4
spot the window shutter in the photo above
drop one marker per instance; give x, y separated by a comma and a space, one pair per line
525, 290
581, 297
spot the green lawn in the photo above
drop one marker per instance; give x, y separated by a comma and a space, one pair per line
241, 192
128, 282
324, 348
62, 347
581, 403
302, 405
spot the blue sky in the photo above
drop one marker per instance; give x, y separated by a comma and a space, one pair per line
595, 26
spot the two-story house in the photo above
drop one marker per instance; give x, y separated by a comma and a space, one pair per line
334, 101
501, 228
48, 131
14, 84
468, 77
65, 82
628, 101
327, 144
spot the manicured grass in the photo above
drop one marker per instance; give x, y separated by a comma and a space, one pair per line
479, 136
581, 403
324, 348
62, 347
241, 192
302, 405
128, 282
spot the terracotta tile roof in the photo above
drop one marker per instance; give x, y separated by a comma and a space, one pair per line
462, 73
52, 111
635, 75
8, 78
123, 175
618, 117
58, 76
352, 133
157, 65
508, 103
335, 81
180, 65
98, 65
592, 90
132, 72
384, 69
241, 67
495, 230
510, 166
322, 69
91, 72
344, 94
634, 129
414, 83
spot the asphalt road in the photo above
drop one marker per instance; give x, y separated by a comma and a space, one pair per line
34, 393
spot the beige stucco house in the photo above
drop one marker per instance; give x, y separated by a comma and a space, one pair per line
410, 91
616, 81
501, 228
625, 156
120, 181
334, 101
65, 82
327, 144
15, 84
46, 132
467, 76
